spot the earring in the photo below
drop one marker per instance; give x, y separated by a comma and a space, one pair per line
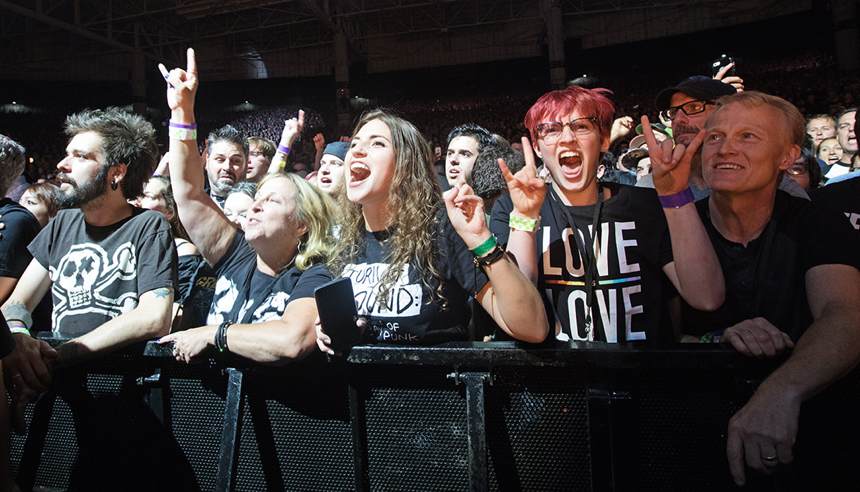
113, 185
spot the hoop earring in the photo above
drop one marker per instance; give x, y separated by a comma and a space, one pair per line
113, 185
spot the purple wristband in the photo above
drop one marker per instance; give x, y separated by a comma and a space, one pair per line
678, 199
180, 125
285, 150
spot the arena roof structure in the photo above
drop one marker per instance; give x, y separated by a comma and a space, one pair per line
242, 39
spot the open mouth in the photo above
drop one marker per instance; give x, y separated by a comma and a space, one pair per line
727, 166
325, 180
570, 162
358, 172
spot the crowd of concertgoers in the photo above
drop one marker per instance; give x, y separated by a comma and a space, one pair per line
539, 236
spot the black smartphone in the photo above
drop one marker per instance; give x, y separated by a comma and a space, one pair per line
336, 306
721, 62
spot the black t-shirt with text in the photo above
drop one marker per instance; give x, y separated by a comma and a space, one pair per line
414, 314
844, 195
631, 290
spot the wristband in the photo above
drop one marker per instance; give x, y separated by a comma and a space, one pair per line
174, 124
677, 200
19, 329
282, 164
485, 247
285, 150
182, 134
523, 224
712, 337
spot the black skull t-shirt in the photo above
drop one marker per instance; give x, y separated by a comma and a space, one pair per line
98, 273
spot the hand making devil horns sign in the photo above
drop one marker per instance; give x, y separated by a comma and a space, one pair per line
181, 85
670, 165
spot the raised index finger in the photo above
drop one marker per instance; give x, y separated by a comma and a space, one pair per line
528, 153
650, 139
192, 62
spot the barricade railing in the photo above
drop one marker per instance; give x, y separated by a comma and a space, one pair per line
460, 416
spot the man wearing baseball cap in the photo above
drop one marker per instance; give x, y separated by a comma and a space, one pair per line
687, 106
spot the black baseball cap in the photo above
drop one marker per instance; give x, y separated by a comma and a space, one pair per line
698, 87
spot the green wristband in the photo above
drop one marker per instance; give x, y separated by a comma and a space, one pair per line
485, 247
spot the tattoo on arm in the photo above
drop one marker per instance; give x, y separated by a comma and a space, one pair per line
163, 292
18, 311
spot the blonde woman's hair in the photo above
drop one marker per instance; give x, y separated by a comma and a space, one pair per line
313, 209
414, 199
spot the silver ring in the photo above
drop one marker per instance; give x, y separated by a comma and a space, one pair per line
16, 376
769, 458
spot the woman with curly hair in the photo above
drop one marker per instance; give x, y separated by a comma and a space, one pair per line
413, 267
267, 274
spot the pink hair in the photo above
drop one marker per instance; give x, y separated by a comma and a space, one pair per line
590, 102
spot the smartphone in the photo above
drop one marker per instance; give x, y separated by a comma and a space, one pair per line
721, 62
336, 306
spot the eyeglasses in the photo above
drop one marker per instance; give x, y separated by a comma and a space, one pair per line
551, 131
255, 153
689, 108
797, 169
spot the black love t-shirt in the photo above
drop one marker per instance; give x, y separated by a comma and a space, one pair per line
631, 290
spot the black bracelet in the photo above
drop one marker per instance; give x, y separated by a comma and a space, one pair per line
495, 254
221, 336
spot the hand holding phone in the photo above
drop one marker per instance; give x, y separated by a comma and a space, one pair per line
337, 312
721, 62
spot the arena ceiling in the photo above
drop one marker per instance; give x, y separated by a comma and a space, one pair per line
48, 36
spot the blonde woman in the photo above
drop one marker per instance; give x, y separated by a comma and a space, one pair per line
263, 307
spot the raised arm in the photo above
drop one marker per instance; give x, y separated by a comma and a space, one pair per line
319, 144
509, 297
527, 193
207, 226
292, 128
830, 348
695, 271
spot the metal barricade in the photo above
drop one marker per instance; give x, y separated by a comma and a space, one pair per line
498, 416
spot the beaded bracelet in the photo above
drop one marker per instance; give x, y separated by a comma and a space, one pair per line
523, 224
496, 254
485, 247
179, 131
221, 336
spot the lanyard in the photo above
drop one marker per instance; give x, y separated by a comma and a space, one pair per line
245, 292
586, 254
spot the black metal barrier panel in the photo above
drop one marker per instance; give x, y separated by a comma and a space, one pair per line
493, 416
